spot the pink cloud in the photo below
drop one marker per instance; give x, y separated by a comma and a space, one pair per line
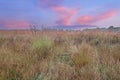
16, 24
65, 14
106, 15
87, 19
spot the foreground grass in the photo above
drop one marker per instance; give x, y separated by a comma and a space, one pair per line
64, 56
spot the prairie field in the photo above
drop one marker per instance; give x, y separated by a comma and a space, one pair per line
59, 55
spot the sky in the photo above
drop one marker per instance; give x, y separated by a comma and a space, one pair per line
20, 14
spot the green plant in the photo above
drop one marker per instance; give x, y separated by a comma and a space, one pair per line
42, 47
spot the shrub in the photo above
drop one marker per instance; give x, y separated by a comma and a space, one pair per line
116, 53
81, 60
42, 47
83, 57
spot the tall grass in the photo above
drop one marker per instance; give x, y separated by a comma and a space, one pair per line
60, 56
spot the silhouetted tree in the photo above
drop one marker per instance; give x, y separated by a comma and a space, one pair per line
34, 28
111, 27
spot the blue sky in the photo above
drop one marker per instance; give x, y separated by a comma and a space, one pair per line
22, 13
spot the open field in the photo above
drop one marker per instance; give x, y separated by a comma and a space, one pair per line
59, 55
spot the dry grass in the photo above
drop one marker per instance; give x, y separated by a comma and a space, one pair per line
59, 55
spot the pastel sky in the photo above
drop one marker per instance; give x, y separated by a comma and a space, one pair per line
20, 14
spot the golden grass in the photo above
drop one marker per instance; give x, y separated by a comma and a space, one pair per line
59, 55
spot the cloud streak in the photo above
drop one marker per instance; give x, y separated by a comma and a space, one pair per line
12, 24
87, 19
65, 15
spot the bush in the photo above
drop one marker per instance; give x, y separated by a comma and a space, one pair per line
81, 60
42, 47
84, 56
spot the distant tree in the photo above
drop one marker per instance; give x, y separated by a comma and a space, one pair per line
111, 27
97, 28
34, 29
